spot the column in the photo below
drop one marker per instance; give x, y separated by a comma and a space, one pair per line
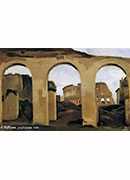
40, 101
88, 100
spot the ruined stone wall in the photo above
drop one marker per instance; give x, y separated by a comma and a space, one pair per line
12, 85
123, 96
16, 88
13, 82
11, 107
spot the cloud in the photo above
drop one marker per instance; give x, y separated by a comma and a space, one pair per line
120, 52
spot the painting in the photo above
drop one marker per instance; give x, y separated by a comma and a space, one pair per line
64, 89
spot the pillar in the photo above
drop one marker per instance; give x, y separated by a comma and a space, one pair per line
88, 100
40, 101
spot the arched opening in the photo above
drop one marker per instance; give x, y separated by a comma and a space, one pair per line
112, 96
17, 105
64, 96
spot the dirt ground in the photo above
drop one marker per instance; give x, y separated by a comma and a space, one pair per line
69, 120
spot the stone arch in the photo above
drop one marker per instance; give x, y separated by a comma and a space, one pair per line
121, 64
112, 64
115, 62
5, 67
8, 65
64, 63
69, 63
40, 85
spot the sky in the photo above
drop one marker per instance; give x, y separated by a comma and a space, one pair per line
111, 75
64, 74
120, 52
17, 69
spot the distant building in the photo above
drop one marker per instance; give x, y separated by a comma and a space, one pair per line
122, 91
72, 94
103, 94
123, 95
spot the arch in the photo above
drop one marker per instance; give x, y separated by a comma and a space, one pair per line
115, 62
91, 114
123, 66
9, 65
73, 66
120, 64
64, 63
112, 64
